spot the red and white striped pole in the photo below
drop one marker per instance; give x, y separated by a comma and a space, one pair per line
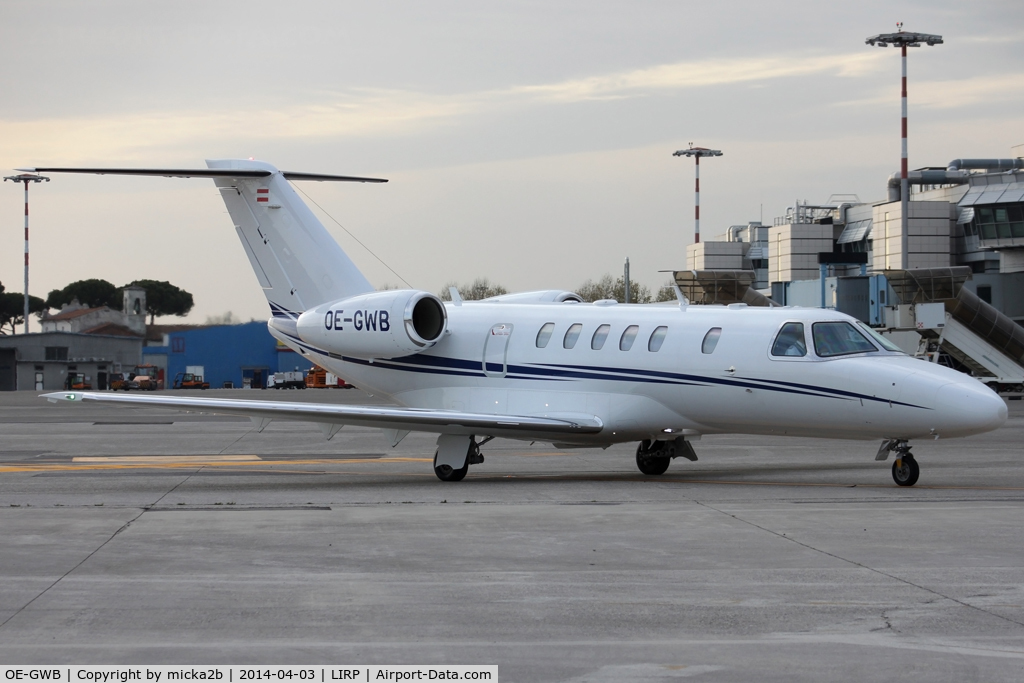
26, 178
904, 39
904, 184
697, 153
696, 201
26, 256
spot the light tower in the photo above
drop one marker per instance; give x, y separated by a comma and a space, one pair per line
26, 178
697, 153
903, 40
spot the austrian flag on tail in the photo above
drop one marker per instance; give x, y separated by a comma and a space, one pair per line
263, 195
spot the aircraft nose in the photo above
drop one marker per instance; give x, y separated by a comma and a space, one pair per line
968, 408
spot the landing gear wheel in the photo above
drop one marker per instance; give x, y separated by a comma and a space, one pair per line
449, 473
649, 462
905, 470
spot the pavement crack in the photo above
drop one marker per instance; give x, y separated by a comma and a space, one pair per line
245, 434
68, 572
888, 624
170, 491
862, 566
85, 559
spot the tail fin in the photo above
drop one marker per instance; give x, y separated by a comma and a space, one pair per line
297, 262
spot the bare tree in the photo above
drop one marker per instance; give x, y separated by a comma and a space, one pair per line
225, 319
610, 288
480, 288
667, 292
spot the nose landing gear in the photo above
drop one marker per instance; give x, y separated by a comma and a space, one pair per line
905, 469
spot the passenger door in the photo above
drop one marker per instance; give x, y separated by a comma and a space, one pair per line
496, 350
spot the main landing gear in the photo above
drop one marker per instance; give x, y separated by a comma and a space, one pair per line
653, 458
455, 454
905, 469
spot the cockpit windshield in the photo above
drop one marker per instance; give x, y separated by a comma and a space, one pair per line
879, 339
839, 339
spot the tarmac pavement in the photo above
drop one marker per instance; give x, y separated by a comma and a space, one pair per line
141, 535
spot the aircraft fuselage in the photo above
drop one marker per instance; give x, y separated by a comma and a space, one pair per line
490, 361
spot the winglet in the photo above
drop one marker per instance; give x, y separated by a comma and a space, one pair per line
62, 396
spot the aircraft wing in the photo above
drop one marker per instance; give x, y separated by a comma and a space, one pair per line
383, 417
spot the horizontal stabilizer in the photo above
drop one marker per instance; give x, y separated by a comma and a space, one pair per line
294, 175
383, 417
206, 173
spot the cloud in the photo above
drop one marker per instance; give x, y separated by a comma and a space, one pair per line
993, 39
137, 135
364, 112
971, 91
698, 74
950, 94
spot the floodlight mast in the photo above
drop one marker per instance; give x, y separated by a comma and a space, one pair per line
697, 153
26, 178
904, 39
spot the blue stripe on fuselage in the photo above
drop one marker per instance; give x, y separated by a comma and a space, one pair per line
460, 367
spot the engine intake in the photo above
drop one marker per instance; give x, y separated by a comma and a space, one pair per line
384, 324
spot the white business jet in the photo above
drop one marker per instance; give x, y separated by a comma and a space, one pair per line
541, 366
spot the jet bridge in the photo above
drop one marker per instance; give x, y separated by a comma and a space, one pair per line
720, 287
935, 302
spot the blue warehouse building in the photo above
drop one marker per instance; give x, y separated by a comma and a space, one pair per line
230, 355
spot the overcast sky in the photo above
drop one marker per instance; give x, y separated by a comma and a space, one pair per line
528, 142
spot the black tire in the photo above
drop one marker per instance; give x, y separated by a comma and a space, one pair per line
449, 473
651, 464
905, 471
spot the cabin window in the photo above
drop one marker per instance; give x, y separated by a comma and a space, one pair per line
627, 338
711, 340
571, 335
544, 336
839, 339
657, 338
600, 335
790, 341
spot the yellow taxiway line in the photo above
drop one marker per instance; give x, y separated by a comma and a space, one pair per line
252, 462
184, 462
164, 459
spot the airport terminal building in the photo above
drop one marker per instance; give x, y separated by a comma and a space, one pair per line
968, 213
956, 296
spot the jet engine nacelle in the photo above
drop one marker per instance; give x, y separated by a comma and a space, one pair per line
385, 324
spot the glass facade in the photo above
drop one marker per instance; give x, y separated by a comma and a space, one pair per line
997, 222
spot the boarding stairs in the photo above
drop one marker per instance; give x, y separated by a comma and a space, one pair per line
953, 320
720, 287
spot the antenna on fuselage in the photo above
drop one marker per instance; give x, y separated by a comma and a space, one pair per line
680, 297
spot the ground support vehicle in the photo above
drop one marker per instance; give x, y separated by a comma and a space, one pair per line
77, 380
144, 378
319, 378
188, 380
286, 380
